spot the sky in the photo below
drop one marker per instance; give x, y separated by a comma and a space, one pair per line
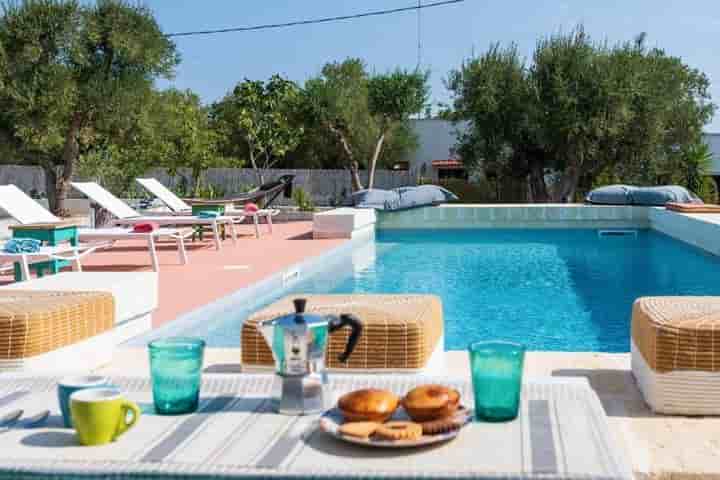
212, 65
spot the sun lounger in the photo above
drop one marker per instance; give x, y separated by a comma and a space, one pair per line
124, 215
70, 253
30, 213
179, 207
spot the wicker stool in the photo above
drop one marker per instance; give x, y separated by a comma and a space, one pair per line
401, 332
676, 353
55, 331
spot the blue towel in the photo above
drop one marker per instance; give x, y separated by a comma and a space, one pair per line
208, 214
22, 245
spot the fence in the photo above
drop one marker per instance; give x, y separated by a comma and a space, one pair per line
327, 187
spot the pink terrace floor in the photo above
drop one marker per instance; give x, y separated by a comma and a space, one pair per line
210, 274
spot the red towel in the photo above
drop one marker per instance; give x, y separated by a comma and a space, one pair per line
146, 227
251, 208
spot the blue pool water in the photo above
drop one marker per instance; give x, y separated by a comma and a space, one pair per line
566, 290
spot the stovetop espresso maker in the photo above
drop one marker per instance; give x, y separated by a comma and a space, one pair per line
299, 342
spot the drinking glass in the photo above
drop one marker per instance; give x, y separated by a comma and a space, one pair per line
176, 368
497, 370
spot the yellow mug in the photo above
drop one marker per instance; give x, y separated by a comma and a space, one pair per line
99, 415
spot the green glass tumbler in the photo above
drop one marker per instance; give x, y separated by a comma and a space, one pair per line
497, 370
176, 369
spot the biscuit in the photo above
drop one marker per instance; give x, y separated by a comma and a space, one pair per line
399, 431
359, 429
443, 425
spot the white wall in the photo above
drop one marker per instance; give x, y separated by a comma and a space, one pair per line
436, 141
713, 139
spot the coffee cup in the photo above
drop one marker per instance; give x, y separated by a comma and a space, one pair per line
100, 415
69, 385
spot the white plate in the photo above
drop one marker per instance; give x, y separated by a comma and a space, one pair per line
331, 420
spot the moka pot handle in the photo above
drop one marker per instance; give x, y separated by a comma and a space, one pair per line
349, 320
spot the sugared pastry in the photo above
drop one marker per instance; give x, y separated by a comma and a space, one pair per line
369, 404
359, 429
399, 431
431, 402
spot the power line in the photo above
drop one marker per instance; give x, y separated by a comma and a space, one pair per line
375, 13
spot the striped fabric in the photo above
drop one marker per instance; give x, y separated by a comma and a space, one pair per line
562, 433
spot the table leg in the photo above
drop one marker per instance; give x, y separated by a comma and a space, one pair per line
256, 221
269, 222
24, 268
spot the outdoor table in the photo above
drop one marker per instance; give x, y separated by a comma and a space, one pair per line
51, 234
561, 433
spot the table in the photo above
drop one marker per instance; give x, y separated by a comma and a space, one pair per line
51, 234
562, 433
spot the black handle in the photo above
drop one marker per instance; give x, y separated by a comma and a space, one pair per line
347, 319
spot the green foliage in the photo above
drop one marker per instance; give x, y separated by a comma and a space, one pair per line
303, 200
73, 75
264, 115
578, 111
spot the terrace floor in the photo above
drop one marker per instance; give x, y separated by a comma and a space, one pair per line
211, 274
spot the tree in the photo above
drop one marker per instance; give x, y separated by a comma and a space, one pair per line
70, 70
392, 99
580, 111
265, 116
337, 100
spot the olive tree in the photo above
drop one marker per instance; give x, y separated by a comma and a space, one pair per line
70, 70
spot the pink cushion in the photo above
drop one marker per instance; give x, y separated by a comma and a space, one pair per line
251, 208
145, 227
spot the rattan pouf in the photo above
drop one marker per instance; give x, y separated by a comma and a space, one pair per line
55, 331
676, 353
400, 332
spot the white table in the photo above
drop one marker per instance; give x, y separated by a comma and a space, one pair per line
562, 433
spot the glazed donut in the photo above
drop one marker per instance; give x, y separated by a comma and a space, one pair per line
399, 431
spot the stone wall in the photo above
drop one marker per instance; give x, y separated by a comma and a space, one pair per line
327, 187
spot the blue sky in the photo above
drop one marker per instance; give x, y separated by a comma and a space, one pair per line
212, 65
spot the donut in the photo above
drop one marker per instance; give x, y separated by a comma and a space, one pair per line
431, 402
369, 404
399, 431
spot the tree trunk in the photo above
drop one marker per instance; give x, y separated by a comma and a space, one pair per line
70, 153
258, 172
565, 193
536, 181
51, 187
353, 164
373, 163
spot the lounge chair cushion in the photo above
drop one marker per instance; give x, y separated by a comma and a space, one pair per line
641, 196
403, 198
33, 322
400, 331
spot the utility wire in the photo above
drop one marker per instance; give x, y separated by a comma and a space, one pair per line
375, 13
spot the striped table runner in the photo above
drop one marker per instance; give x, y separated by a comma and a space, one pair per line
561, 433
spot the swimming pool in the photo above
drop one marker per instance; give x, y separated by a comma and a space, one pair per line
564, 290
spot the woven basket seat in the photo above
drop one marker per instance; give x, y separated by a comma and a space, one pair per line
36, 322
400, 332
676, 353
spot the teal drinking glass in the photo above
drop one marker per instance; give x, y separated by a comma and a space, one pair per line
176, 369
497, 370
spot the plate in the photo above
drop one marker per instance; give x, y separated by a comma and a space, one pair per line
331, 420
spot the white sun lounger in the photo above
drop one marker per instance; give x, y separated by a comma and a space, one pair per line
179, 207
73, 254
28, 212
124, 215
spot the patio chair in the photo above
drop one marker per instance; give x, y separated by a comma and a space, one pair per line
266, 196
70, 253
27, 212
124, 215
